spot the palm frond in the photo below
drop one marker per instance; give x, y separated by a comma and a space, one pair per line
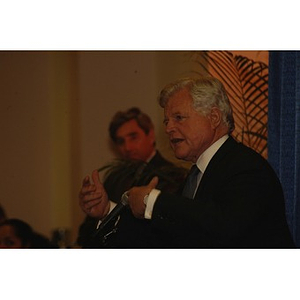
246, 83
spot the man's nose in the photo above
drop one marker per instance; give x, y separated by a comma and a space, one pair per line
169, 127
127, 145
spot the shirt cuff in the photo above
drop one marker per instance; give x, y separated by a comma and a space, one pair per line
150, 203
111, 207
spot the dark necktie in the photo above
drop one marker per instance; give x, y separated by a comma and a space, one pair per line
191, 183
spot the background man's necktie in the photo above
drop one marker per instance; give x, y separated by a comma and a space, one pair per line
191, 182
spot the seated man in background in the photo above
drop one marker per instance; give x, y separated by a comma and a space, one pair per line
132, 133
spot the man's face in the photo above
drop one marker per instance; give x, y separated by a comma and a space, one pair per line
189, 132
133, 143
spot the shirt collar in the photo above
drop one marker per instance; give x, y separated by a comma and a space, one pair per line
207, 155
151, 156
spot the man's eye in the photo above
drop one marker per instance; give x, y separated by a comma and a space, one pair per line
179, 117
119, 142
134, 137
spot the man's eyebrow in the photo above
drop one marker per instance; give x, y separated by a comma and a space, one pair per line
134, 133
130, 134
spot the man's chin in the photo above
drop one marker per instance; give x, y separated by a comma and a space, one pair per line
134, 158
179, 155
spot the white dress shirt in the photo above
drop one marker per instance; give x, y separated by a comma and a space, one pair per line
201, 163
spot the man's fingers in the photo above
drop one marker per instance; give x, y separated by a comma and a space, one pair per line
87, 190
96, 178
89, 205
86, 181
91, 196
153, 183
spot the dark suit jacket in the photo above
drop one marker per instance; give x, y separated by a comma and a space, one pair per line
139, 173
239, 204
132, 232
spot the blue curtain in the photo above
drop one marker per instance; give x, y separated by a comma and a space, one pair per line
284, 130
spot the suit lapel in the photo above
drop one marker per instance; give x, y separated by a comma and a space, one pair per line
214, 162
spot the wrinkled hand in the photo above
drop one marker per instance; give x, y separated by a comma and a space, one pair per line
93, 198
136, 197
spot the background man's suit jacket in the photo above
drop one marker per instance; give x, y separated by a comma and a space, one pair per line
239, 204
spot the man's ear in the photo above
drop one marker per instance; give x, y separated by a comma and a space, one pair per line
215, 117
151, 135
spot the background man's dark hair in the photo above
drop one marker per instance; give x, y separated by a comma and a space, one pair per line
134, 113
